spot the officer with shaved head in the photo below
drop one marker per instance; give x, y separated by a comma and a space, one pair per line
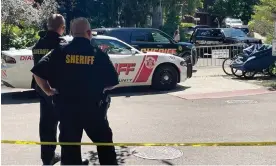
76, 75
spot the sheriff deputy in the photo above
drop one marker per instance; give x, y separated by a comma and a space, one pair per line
77, 75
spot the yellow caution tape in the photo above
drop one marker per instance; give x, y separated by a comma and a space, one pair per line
142, 144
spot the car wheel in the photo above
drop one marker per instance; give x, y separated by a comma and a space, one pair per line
165, 78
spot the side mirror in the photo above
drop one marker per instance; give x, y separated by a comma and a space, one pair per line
133, 52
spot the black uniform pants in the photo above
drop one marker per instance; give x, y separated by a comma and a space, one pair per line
47, 128
76, 117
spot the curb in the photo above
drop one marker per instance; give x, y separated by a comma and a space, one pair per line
225, 94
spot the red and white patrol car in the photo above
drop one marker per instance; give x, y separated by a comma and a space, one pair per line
135, 68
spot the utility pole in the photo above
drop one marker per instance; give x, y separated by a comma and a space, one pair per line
161, 13
274, 38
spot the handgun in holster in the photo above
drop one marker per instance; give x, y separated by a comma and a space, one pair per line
105, 103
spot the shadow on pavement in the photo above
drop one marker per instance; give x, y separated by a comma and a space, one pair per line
142, 91
19, 97
166, 162
122, 154
31, 97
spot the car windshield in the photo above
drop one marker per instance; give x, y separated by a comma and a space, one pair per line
208, 33
111, 46
245, 30
234, 33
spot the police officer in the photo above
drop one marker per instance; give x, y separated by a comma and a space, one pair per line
77, 75
48, 116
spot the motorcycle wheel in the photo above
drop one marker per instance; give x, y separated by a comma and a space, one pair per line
272, 69
248, 74
236, 72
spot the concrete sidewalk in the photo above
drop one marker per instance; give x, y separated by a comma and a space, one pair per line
213, 83
208, 72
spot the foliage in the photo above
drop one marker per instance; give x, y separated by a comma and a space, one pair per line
134, 12
22, 19
18, 12
127, 13
190, 6
242, 9
262, 21
186, 25
46, 8
13, 36
184, 34
172, 17
171, 23
23, 13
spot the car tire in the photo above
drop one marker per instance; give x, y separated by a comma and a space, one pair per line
165, 77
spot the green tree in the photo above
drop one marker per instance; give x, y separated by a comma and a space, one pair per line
134, 12
190, 6
262, 21
172, 16
21, 21
242, 9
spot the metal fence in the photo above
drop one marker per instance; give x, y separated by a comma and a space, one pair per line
215, 55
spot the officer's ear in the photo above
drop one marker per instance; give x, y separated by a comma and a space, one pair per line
63, 27
89, 33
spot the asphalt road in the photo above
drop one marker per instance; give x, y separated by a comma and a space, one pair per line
140, 115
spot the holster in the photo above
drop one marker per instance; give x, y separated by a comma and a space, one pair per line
105, 103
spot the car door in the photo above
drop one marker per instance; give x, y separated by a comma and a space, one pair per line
125, 63
140, 39
162, 42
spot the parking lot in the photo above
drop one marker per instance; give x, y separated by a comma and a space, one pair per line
142, 115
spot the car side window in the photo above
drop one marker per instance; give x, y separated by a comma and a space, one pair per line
217, 33
138, 36
122, 35
112, 46
159, 38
